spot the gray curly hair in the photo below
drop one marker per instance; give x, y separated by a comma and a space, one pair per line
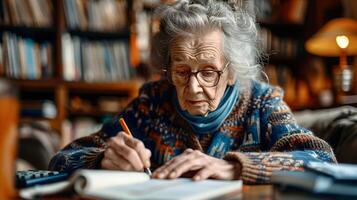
188, 17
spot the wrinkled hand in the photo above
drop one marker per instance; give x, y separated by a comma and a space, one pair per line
125, 153
204, 165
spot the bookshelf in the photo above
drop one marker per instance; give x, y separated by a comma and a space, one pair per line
306, 79
63, 52
284, 28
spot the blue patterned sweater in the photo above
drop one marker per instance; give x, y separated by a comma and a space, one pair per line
260, 133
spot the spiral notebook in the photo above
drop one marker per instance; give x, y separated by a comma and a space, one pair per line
105, 184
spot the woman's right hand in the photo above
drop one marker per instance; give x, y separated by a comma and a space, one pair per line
125, 153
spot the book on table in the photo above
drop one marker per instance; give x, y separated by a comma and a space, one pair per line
320, 180
106, 184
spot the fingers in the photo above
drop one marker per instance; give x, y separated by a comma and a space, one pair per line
140, 149
126, 153
186, 166
122, 149
203, 174
217, 170
164, 170
119, 161
188, 161
112, 161
204, 165
107, 164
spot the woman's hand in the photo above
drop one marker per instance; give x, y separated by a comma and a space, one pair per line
125, 153
204, 165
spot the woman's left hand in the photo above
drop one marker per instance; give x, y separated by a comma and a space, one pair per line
205, 166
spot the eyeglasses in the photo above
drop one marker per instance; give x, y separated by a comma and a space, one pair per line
206, 78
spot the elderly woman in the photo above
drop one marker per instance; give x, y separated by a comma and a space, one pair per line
209, 117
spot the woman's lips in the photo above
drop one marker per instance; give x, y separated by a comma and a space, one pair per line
196, 103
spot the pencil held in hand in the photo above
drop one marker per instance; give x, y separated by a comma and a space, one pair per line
125, 127
127, 131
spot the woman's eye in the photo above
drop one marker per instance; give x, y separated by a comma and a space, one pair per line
182, 73
208, 73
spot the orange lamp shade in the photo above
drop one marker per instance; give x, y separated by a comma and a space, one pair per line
323, 43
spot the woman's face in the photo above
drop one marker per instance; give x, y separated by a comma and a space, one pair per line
192, 54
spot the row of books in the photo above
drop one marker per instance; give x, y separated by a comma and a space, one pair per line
95, 61
104, 15
24, 58
38, 13
283, 47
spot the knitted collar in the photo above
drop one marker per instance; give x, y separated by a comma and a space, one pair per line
214, 120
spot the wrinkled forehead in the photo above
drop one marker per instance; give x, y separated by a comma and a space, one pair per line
204, 45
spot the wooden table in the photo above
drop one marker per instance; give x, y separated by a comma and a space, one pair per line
257, 192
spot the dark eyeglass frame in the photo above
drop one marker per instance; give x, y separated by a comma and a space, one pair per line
167, 73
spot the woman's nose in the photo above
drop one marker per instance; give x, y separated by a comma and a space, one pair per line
193, 85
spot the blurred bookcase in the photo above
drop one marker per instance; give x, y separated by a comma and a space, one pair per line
285, 26
69, 58
283, 33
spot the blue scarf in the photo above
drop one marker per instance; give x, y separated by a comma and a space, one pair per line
214, 120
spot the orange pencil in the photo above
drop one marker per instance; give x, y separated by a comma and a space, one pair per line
127, 131
125, 127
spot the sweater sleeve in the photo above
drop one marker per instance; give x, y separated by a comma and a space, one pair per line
87, 152
285, 145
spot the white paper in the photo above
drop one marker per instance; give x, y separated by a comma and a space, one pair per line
169, 189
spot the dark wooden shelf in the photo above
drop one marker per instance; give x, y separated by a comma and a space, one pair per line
284, 29
92, 113
35, 84
35, 32
120, 86
36, 119
28, 29
279, 60
123, 33
281, 25
104, 87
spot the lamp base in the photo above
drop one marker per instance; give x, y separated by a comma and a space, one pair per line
343, 81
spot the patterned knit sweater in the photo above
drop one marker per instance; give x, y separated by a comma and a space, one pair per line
260, 133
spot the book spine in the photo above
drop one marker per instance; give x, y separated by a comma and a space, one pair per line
2, 58
6, 50
68, 57
82, 19
75, 16
46, 12
44, 67
125, 57
16, 61
77, 58
23, 63
6, 14
30, 59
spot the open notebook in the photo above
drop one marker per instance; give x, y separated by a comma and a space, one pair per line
105, 184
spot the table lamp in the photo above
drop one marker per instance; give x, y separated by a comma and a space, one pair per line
337, 37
